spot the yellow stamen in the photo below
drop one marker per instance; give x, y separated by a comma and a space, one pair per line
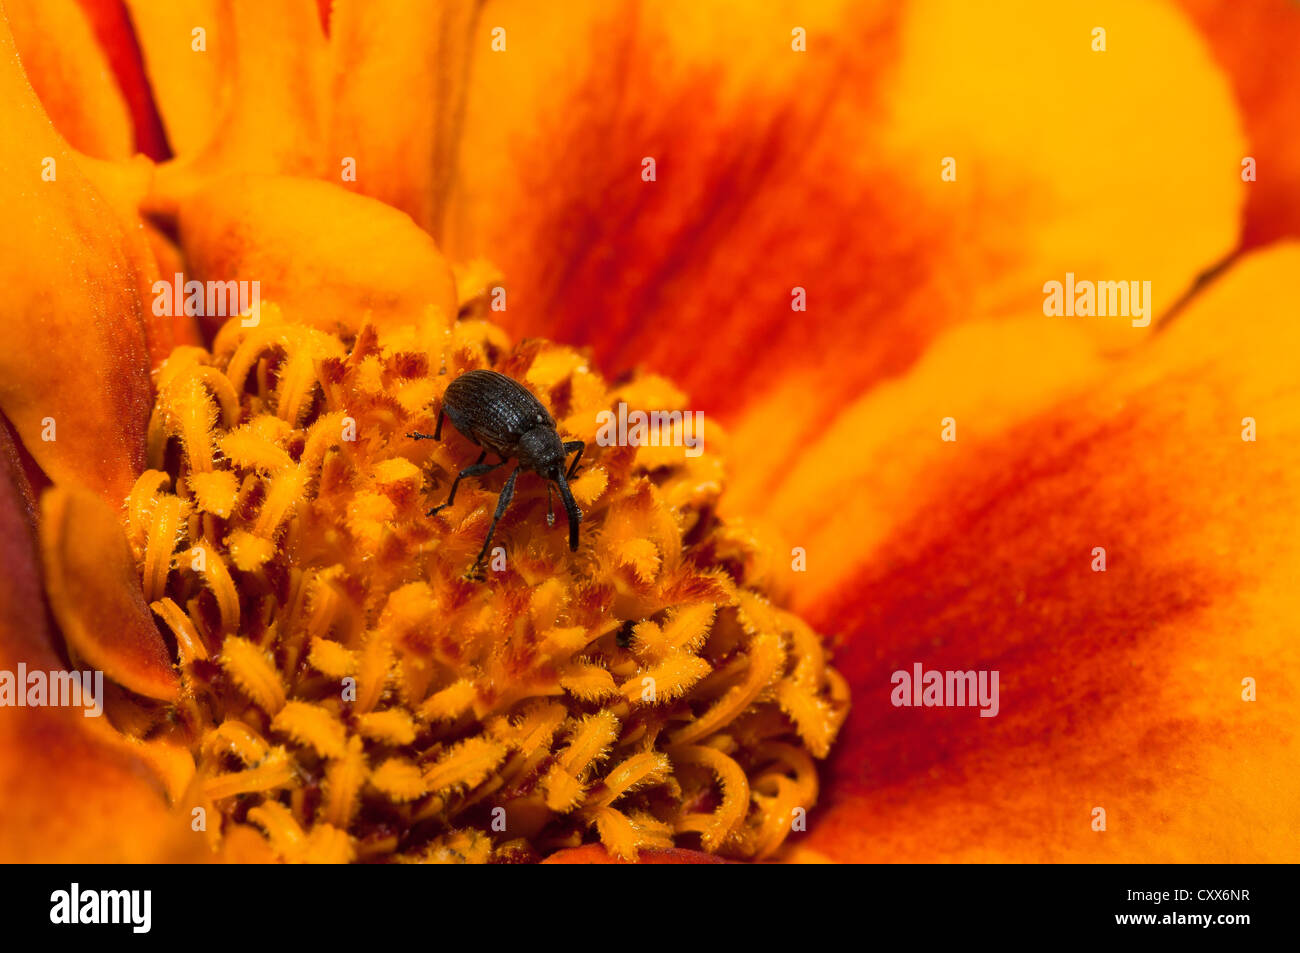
313, 726
765, 659
641, 691
588, 681
188, 643
394, 727
648, 767
591, 738
617, 832
399, 780
450, 703
670, 679
139, 505
217, 578
215, 492
166, 529
254, 672
343, 781
716, 827
238, 739
328, 845
187, 412
282, 830
465, 765
275, 771
251, 447
331, 659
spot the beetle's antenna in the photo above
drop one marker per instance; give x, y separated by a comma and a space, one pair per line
550, 505
570, 507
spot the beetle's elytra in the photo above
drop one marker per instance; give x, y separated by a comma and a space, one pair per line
499, 414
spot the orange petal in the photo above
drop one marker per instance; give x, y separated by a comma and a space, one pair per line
1120, 690
1256, 44
94, 589
71, 75
187, 84
72, 293
124, 186
69, 792
72, 791
777, 170
324, 255
22, 617
399, 72
861, 466
50, 30
252, 100
596, 854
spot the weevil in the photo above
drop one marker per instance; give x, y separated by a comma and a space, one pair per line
498, 413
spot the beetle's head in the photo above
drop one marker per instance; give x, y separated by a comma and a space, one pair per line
541, 450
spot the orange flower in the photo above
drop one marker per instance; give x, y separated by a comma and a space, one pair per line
917, 174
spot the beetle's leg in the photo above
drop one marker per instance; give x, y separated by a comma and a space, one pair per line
437, 433
550, 505
571, 508
477, 468
569, 447
507, 494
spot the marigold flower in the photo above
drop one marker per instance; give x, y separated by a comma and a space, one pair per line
839, 259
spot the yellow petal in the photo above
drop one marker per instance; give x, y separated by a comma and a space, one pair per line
822, 170
71, 75
325, 256
124, 186
405, 150
1102, 188
252, 99
95, 593
72, 292
72, 792
187, 85
1159, 686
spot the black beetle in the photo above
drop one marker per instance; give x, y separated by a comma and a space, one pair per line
499, 414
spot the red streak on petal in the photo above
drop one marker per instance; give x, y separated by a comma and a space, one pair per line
997, 576
1256, 45
112, 26
323, 7
692, 275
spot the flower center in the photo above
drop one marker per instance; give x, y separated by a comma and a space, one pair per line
350, 692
